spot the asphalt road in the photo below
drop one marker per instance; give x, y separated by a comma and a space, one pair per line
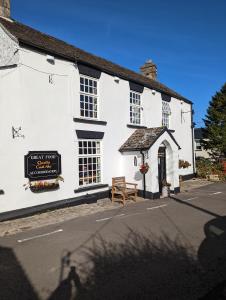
164, 249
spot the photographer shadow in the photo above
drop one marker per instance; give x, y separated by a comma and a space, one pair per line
212, 257
69, 287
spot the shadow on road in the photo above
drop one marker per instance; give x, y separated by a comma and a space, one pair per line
212, 256
67, 288
140, 267
14, 284
189, 204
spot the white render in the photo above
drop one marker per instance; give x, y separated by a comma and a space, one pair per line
45, 113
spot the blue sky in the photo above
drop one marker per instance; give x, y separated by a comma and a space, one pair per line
186, 39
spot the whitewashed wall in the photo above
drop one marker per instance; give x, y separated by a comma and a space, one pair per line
45, 113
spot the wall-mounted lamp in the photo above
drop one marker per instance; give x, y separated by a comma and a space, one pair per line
135, 161
50, 59
16, 132
153, 92
116, 79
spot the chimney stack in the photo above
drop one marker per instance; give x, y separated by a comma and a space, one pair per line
149, 70
5, 8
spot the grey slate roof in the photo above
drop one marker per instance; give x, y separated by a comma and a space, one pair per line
143, 139
48, 44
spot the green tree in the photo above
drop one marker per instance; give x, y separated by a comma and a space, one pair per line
215, 125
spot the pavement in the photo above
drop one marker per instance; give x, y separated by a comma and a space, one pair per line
194, 183
61, 215
172, 248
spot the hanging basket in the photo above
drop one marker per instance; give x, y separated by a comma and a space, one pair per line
144, 168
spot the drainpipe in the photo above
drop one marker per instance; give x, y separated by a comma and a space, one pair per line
192, 134
144, 180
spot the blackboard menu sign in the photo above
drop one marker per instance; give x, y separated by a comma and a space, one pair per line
42, 165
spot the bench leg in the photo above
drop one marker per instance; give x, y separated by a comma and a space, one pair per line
112, 196
123, 199
135, 197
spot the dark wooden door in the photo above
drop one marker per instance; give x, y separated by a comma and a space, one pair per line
161, 166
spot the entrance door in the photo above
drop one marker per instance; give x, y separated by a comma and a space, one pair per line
161, 166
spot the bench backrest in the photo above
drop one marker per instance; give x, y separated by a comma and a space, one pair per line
119, 181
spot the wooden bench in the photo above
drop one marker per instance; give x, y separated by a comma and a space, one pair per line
120, 187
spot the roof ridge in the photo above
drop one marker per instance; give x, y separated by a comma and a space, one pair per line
51, 43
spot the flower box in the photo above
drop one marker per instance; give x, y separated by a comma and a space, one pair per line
37, 188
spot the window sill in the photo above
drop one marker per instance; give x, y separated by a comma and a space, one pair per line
90, 188
89, 121
136, 126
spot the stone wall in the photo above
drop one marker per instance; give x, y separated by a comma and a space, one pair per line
5, 8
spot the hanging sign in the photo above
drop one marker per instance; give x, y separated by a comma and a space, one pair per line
41, 165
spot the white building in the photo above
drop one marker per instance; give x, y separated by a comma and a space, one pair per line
200, 152
65, 111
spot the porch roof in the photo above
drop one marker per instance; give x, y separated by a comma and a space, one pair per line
143, 139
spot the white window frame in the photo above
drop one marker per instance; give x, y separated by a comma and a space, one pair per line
87, 93
84, 156
198, 144
166, 112
133, 98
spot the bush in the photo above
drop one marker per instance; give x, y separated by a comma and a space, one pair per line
206, 167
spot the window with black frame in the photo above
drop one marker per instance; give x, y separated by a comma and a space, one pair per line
89, 162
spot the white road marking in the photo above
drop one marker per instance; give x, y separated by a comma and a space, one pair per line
154, 207
104, 219
39, 236
216, 193
135, 214
190, 199
131, 215
54, 269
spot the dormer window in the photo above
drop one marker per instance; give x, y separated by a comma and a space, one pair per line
166, 112
135, 108
88, 97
